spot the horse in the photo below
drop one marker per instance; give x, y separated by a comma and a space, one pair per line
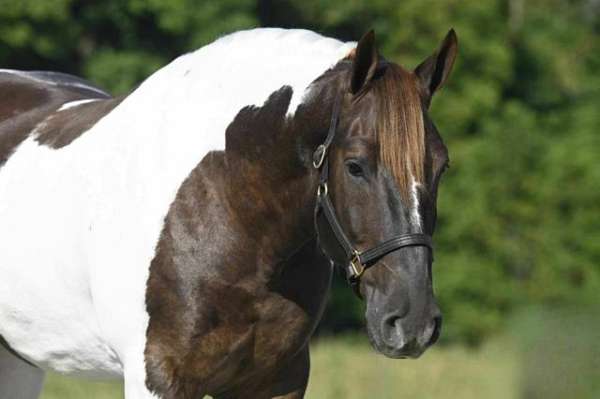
183, 237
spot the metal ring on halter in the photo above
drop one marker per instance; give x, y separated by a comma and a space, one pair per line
322, 189
319, 156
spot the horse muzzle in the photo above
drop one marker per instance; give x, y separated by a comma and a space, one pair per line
400, 336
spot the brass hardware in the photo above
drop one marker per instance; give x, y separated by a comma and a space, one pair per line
357, 267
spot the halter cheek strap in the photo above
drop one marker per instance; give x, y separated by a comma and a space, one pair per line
356, 261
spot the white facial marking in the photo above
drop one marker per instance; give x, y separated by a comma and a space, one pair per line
415, 217
79, 225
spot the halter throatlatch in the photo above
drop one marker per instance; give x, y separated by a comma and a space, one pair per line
356, 261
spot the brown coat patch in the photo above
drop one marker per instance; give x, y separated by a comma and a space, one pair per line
233, 296
25, 103
61, 128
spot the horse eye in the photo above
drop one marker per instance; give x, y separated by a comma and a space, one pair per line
354, 169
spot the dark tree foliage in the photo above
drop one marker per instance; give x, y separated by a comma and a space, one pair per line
519, 210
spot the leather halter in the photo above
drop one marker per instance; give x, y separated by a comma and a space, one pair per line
356, 261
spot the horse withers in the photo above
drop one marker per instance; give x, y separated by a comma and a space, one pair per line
182, 237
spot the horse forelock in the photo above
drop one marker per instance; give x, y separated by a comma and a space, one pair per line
399, 124
400, 128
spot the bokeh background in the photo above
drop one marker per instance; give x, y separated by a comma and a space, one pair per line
517, 269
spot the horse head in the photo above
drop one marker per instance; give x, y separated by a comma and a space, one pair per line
379, 170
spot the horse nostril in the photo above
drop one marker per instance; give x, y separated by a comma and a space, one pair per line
392, 332
391, 321
437, 329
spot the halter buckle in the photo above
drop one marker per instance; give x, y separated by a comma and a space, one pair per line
356, 266
319, 156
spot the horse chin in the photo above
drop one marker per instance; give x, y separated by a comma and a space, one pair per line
380, 347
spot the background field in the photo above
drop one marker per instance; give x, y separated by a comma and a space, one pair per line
544, 353
347, 368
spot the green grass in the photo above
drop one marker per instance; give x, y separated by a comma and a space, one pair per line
348, 368
61, 387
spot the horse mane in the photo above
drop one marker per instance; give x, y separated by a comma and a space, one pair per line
400, 127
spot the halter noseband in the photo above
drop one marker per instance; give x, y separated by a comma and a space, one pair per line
357, 261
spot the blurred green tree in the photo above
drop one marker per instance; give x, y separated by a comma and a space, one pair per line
519, 209
114, 43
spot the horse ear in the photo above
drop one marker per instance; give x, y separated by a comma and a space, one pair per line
434, 71
365, 62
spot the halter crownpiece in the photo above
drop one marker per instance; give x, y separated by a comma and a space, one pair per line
356, 261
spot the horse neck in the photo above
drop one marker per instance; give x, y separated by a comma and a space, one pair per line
272, 207
271, 185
